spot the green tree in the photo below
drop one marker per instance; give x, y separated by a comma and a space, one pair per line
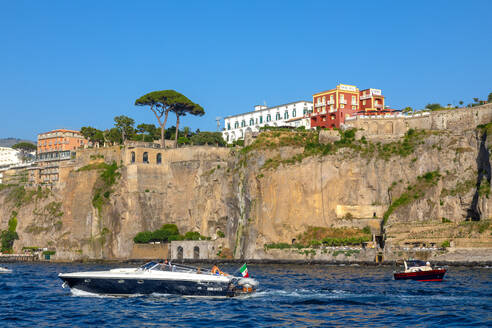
489, 99
433, 106
208, 138
25, 146
113, 135
476, 100
183, 107
125, 125
407, 109
461, 102
165, 101
94, 135
160, 103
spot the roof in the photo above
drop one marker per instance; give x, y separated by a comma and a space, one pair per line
60, 130
265, 109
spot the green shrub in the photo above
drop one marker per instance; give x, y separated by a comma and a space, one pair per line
7, 239
192, 235
446, 244
143, 237
367, 230
220, 234
445, 220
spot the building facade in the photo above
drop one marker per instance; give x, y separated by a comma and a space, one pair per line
371, 101
9, 156
333, 107
293, 114
60, 140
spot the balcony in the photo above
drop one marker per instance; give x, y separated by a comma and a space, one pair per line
343, 101
320, 104
354, 103
330, 102
365, 97
378, 106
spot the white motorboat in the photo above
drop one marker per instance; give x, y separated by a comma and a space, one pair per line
5, 270
161, 278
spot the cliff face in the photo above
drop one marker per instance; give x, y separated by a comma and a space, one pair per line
445, 176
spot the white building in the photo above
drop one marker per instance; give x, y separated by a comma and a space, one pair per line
291, 114
9, 156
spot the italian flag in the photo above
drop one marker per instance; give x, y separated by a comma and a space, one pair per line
244, 271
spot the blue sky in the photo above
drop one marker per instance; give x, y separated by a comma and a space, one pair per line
67, 64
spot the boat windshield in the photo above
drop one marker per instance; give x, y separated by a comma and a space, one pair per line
415, 263
149, 265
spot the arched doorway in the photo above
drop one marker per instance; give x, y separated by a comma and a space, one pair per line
145, 157
158, 158
180, 253
133, 157
196, 252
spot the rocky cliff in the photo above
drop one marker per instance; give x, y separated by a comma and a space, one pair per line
426, 187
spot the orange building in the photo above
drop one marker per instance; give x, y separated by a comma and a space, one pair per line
60, 140
331, 108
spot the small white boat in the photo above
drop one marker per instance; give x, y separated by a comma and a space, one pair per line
5, 270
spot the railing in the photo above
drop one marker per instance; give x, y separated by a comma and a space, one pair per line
343, 101
363, 97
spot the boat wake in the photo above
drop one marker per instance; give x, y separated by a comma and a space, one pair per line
80, 293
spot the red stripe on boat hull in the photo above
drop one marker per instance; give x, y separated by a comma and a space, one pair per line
432, 275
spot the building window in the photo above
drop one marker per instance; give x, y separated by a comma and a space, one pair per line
145, 157
269, 118
236, 125
228, 126
286, 115
251, 122
180, 253
363, 102
354, 107
261, 119
342, 106
294, 112
158, 158
133, 156
277, 117
196, 252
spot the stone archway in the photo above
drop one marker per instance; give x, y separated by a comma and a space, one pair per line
196, 252
179, 252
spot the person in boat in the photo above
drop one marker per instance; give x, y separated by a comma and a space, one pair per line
216, 270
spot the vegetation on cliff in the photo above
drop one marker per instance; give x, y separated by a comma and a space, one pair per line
315, 237
413, 192
167, 233
7, 237
103, 187
309, 141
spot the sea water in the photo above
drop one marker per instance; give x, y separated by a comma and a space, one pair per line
289, 296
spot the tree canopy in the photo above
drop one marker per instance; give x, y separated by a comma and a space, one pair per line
433, 106
125, 125
165, 101
92, 134
25, 146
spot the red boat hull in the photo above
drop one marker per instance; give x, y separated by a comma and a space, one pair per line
432, 275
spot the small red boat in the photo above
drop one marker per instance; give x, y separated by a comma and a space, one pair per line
421, 271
